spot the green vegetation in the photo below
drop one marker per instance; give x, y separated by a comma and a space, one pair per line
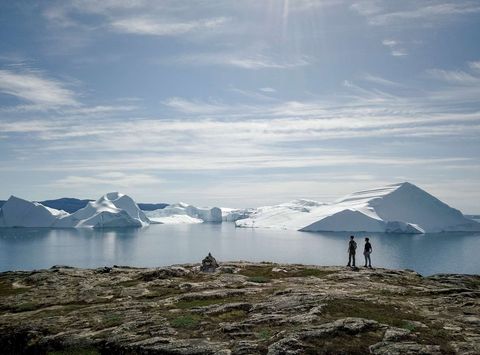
75, 351
232, 316
264, 334
186, 321
259, 279
267, 272
109, 320
129, 283
7, 289
25, 307
187, 304
383, 313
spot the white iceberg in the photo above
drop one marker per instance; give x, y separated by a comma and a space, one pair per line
234, 214
397, 208
110, 211
179, 213
17, 212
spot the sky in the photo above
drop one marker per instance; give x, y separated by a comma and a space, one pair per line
239, 103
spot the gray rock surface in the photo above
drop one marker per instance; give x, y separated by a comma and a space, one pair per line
242, 308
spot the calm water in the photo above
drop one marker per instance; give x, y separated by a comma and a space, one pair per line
158, 245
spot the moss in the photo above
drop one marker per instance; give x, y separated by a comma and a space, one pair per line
109, 320
264, 334
187, 304
75, 351
232, 316
7, 289
259, 279
383, 313
343, 343
25, 307
128, 283
267, 272
186, 321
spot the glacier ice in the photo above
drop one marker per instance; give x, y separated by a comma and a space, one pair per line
109, 211
396, 208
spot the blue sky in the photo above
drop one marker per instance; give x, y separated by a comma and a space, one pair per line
239, 103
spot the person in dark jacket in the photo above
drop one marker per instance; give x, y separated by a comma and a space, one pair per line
352, 247
366, 252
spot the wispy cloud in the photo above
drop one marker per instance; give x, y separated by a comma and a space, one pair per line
156, 27
35, 88
454, 76
383, 14
117, 179
395, 47
244, 61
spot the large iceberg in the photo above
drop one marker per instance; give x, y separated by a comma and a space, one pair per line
179, 213
109, 211
397, 208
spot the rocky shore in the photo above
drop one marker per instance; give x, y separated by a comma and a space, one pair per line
242, 308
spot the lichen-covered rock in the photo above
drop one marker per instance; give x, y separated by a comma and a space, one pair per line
243, 308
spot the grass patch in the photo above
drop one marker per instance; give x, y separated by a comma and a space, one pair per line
128, 283
409, 326
387, 314
264, 334
259, 279
6, 289
109, 320
266, 272
158, 292
232, 316
187, 304
25, 307
391, 315
186, 321
75, 351
344, 344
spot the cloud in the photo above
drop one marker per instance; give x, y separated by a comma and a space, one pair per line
379, 14
35, 88
117, 179
154, 27
268, 89
454, 76
192, 106
474, 65
395, 47
244, 61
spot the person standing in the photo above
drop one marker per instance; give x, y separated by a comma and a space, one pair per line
352, 247
366, 252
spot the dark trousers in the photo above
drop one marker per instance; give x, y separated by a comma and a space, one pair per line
351, 258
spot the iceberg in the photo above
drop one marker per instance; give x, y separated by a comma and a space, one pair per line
112, 210
17, 212
396, 208
181, 212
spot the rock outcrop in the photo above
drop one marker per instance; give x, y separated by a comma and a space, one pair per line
242, 308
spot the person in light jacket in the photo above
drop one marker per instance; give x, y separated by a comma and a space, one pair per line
366, 252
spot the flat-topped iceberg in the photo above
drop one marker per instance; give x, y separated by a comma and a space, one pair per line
179, 213
109, 211
397, 208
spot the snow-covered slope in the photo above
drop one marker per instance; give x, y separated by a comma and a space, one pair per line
183, 213
397, 208
111, 210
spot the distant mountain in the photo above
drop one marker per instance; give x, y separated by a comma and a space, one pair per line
152, 206
397, 208
72, 205
67, 204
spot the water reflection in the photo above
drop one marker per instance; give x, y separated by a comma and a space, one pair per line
170, 244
